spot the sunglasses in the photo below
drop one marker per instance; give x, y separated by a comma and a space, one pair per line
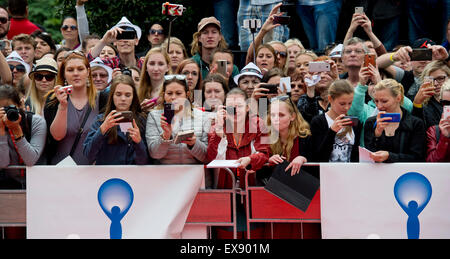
19, 68
3, 20
66, 27
284, 98
48, 77
156, 31
281, 53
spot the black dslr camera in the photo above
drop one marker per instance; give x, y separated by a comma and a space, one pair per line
126, 71
12, 112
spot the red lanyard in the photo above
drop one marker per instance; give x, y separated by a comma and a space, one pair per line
22, 172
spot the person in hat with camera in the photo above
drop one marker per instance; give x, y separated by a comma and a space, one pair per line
125, 36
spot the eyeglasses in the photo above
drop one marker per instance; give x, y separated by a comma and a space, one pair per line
3, 20
178, 77
66, 27
48, 77
281, 53
439, 79
156, 31
19, 68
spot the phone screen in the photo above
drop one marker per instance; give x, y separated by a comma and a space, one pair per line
168, 112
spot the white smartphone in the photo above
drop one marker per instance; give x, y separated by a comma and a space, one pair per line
446, 111
319, 66
285, 81
359, 9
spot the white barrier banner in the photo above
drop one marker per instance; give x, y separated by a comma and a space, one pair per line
110, 201
385, 200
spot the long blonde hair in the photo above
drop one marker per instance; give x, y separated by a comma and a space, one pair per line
37, 101
299, 127
145, 84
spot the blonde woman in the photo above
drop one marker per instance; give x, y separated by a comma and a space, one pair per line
43, 78
394, 142
427, 103
177, 52
155, 67
294, 47
291, 138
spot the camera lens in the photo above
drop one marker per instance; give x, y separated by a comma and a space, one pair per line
126, 71
12, 113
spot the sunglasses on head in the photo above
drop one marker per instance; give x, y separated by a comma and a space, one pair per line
66, 27
3, 20
19, 68
178, 77
156, 31
76, 52
40, 77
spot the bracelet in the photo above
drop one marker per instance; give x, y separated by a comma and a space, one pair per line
18, 138
391, 58
417, 105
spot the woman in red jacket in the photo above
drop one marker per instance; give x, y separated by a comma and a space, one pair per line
237, 135
438, 136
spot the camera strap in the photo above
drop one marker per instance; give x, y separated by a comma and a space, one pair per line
80, 131
22, 171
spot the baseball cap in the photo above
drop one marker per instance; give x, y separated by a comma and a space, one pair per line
422, 43
124, 22
337, 51
249, 70
206, 21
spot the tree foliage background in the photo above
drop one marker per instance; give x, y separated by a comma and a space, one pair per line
103, 14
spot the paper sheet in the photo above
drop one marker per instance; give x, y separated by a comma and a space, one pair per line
223, 164
364, 155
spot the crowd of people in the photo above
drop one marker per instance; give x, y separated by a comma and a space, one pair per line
93, 99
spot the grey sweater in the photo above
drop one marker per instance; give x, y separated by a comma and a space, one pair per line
169, 153
29, 151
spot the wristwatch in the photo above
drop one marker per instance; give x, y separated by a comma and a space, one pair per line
18, 138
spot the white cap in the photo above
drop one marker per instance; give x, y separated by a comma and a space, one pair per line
14, 56
98, 62
337, 51
249, 70
125, 22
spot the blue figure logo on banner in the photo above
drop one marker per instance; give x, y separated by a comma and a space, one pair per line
412, 192
115, 197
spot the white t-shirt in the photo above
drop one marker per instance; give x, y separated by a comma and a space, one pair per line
342, 147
